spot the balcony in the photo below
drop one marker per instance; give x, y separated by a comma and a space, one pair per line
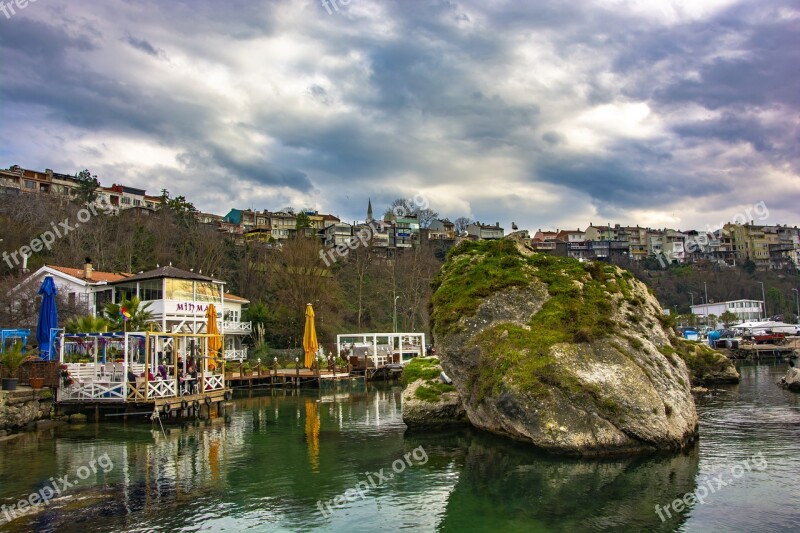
235, 355
230, 327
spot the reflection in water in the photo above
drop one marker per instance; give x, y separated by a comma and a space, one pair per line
506, 483
266, 466
312, 434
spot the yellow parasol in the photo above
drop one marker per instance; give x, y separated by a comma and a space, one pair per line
214, 343
310, 344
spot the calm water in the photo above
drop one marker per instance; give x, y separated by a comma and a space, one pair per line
271, 464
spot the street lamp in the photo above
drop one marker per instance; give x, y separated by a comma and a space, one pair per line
692, 295
763, 299
797, 299
394, 319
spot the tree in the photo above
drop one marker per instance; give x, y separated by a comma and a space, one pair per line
713, 320
728, 318
87, 324
403, 207
87, 186
294, 276
257, 313
140, 316
303, 222
461, 224
776, 302
426, 217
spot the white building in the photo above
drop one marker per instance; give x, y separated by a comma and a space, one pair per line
743, 309
178, 299
479, 231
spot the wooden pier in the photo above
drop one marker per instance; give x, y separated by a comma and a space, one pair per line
286, 377
758, 352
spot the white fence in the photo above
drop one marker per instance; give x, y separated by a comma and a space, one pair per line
108, 383
229, 326
236, 355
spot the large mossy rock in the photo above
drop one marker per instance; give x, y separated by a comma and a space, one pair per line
568, 356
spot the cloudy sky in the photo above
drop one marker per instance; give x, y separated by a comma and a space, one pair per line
550, 114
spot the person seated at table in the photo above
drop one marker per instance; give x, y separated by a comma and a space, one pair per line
131, 376
180, 364
149, 376
162, 371
193, 381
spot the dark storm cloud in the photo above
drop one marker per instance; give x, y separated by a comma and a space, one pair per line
144, 46
362, 101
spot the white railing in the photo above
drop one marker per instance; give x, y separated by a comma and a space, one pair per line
229, 326
214, 382
93, 390
236, 355
161, 389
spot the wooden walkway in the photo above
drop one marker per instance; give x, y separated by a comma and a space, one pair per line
756, 352
285, 377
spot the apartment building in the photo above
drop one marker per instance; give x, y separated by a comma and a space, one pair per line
478, 231
442, 230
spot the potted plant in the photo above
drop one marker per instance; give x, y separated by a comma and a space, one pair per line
11, 359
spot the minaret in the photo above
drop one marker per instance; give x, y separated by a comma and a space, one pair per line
369, 211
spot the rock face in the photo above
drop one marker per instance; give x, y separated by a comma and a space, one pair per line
20, 408
791, 381
447, 410
575, 358
706, 365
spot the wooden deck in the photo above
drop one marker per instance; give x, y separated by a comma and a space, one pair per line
186, 405
756, 352
285, 377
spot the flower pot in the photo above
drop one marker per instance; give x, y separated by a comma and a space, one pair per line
10, 383
36, 383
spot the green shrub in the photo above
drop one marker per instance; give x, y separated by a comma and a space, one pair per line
432, 391
421, 368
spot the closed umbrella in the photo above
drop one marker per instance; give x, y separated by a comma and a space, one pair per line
48, 316
310, 344
214, 343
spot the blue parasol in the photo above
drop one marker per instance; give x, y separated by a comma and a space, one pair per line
48, 316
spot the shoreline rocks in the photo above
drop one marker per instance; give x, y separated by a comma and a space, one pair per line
791, 381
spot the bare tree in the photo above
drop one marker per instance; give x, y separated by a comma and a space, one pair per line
461, 224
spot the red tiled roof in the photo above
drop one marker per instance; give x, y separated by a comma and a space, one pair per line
97, 275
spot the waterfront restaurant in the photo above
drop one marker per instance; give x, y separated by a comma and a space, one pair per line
179, 300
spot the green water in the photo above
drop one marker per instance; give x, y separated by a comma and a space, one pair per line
276, 458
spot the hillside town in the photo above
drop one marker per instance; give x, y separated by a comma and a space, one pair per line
764, 246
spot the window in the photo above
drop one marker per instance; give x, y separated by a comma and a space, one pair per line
30, 184
126, 200
180, 289
137, 203
151, 290
207, 291
101, 298
124, 293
